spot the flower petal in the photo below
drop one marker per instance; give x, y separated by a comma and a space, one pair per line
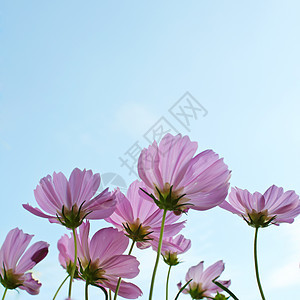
30, 285
13, 247
32, 256
125, 266
106, 243
83, 185
127, 290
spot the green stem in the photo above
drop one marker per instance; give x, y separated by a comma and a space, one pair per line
167, 283
60, 287
131, 248
120, 279
110, 298
74, 263
86, 291
180, 291
256, 266
224, 288
158, 253
4, 294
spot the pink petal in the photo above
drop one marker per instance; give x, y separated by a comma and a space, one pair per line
148, 167
214, 288
83, 185
141, 209
229, 207
123, 212
272, 194
62, 189
13, 247
106, 243
30, 285
127, 290
211, 273
170, 229
66, 252
195, 272
144, 245
50, 194
32, 256
179, 285
206, 171
125, 266
204, 201
38, 212
175, 153
48, 204
102, 206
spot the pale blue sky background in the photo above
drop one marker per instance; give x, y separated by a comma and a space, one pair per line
82, 82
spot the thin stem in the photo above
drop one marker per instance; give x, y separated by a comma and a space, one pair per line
224, 288
158, 253
131, 247
167, 283
120, 279
60, 287
180, 291
4, 294
256, 265
103, 290
110, 298
74, 263
86, 291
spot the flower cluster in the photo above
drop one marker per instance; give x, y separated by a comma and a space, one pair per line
140, 220
174, 179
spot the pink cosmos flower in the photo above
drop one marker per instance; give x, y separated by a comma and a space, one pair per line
101, 260
273, 207
70, 202
179, 180
201, 285
141, 220
171, 247
14, 263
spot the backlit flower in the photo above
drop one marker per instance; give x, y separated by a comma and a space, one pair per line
70, 202
273, 207
101, 260
141, 220
178, 180
171, 247
14, 263
201, 285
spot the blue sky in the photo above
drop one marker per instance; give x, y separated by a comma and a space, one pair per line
81, 83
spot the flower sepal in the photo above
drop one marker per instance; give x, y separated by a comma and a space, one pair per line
170, 258
72, 218
137, 232
196, 292
259, 219
10, 280
168, 200
92, 274
70, 268
220, 297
